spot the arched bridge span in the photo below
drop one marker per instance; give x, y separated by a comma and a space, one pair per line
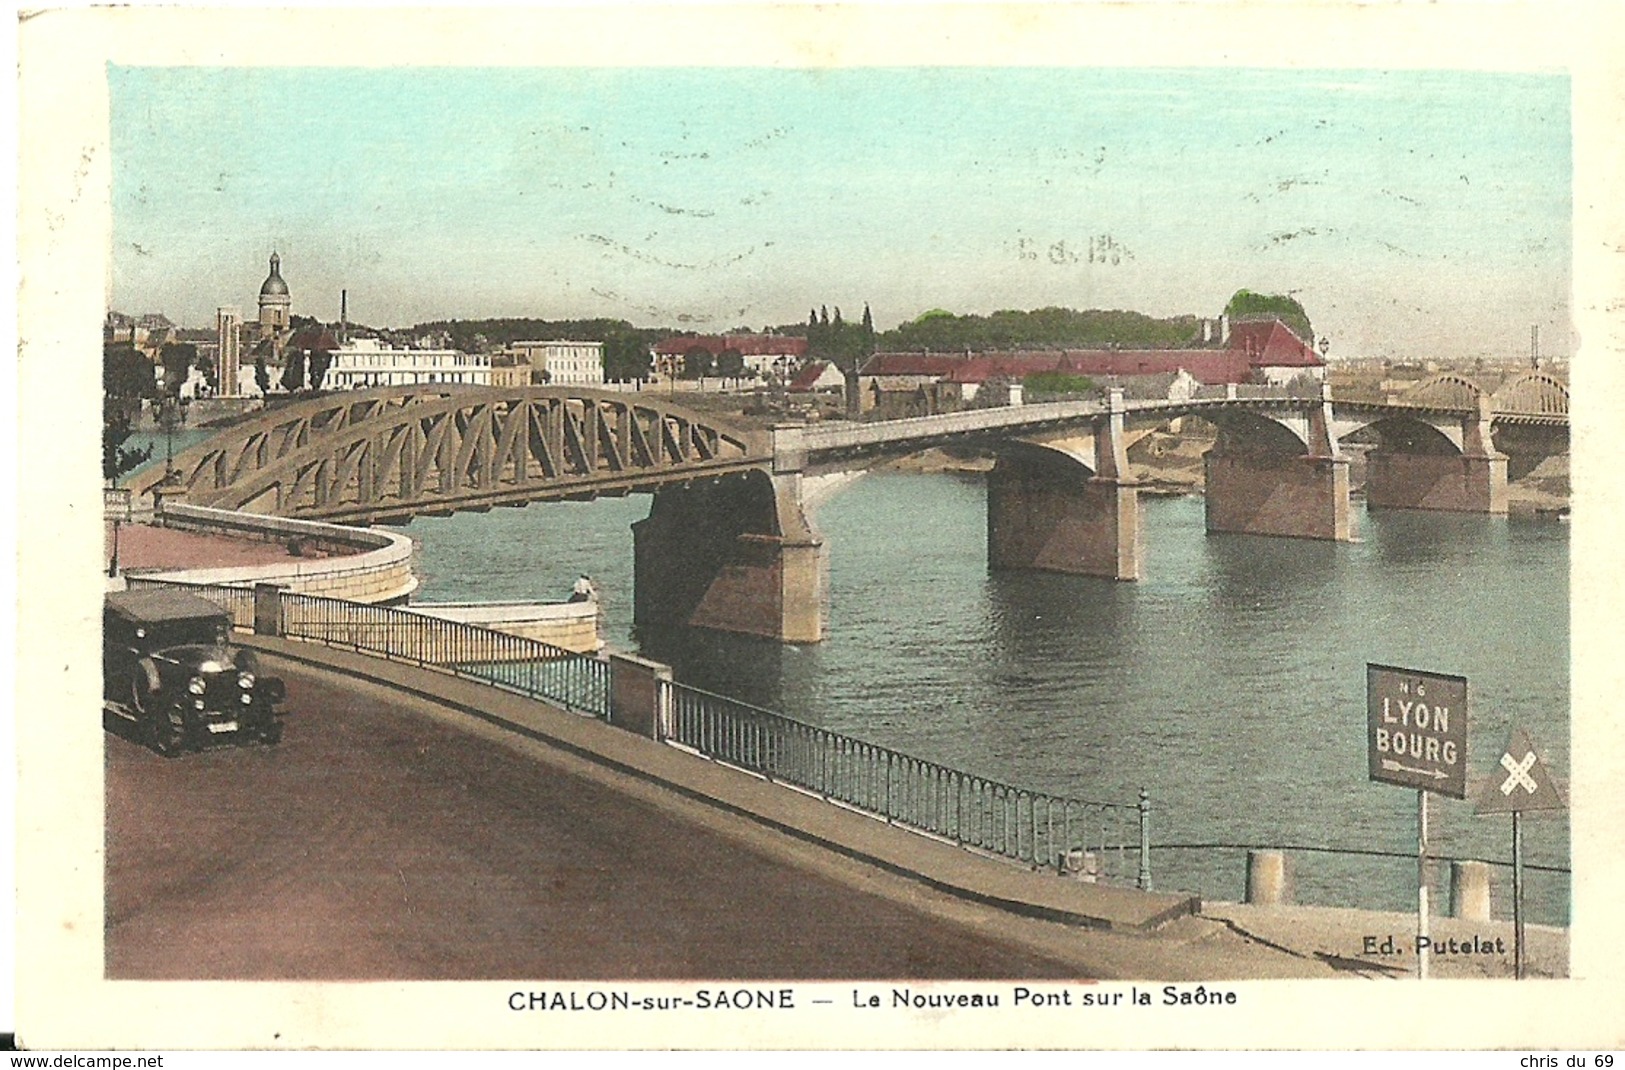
388, 454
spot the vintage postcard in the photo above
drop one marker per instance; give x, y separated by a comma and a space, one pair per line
781, 526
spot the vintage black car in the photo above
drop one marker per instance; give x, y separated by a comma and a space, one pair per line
169, 672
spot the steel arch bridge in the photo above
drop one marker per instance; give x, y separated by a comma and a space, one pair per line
1532, 397
1532, 394
391, 453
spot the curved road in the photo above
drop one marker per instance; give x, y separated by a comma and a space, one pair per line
380, 841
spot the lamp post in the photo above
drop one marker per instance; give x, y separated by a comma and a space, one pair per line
171, 414
781, 369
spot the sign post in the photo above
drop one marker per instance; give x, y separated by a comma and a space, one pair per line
1525, 785
1416, 735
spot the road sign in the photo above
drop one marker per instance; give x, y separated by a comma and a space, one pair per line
1417, 729
1520, 781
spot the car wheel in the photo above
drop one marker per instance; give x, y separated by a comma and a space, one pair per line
168, 732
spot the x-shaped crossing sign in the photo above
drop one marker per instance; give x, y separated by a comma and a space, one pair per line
1520, 777
1525, 785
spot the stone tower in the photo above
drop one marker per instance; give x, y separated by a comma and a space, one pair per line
275, 301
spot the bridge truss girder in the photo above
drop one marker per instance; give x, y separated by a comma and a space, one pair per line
391, 456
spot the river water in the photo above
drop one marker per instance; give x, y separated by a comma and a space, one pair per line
1229, 682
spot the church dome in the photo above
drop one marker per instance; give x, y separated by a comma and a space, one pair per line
273, 285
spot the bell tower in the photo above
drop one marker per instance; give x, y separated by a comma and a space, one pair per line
275, 301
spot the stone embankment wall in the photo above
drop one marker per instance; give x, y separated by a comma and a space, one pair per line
358, 564
570, 625
364, 565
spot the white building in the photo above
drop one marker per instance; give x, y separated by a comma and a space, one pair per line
367, 362
562, 363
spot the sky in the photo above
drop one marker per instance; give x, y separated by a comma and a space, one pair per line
1412, 213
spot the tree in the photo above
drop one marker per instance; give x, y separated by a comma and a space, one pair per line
626, 357
177, 358
697, 363
1058, 384
127, 380
320, 361
117, 458
262, 376
293, 372
1245, 303
126, 374
731, 364
1041, 328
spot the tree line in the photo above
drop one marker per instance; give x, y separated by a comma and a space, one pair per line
1044, 328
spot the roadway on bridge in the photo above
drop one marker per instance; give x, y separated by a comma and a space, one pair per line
383, 841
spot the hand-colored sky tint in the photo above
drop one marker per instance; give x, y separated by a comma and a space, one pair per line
1412, 213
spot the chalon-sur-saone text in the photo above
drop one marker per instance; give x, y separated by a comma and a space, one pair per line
781, 999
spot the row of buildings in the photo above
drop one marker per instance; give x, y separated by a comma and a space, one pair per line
1261, 351
1252, 352
359, 363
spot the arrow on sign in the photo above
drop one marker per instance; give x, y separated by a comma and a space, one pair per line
1520, 777
1394, 767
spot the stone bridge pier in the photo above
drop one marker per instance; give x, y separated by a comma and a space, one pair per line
1267, 477
1417, 467
734, 554
1055, 508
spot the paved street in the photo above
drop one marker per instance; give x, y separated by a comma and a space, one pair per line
378, 842
144, 547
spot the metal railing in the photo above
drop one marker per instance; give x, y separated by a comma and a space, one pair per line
1097, 838
1105, 840
238, 601
513, 663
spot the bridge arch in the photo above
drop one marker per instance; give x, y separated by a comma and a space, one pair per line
388, 454
1533, 394
1243, 432
1405, 434
1446, 390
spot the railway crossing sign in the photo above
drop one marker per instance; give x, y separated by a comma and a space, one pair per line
1519, 782
1417, 729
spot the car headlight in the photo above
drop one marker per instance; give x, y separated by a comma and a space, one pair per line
195, 685
247, 699
245, 681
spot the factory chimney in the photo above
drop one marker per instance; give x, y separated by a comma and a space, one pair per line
344, 316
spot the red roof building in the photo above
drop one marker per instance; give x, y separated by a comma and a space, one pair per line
816, 375
1272, 344
1257, 351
